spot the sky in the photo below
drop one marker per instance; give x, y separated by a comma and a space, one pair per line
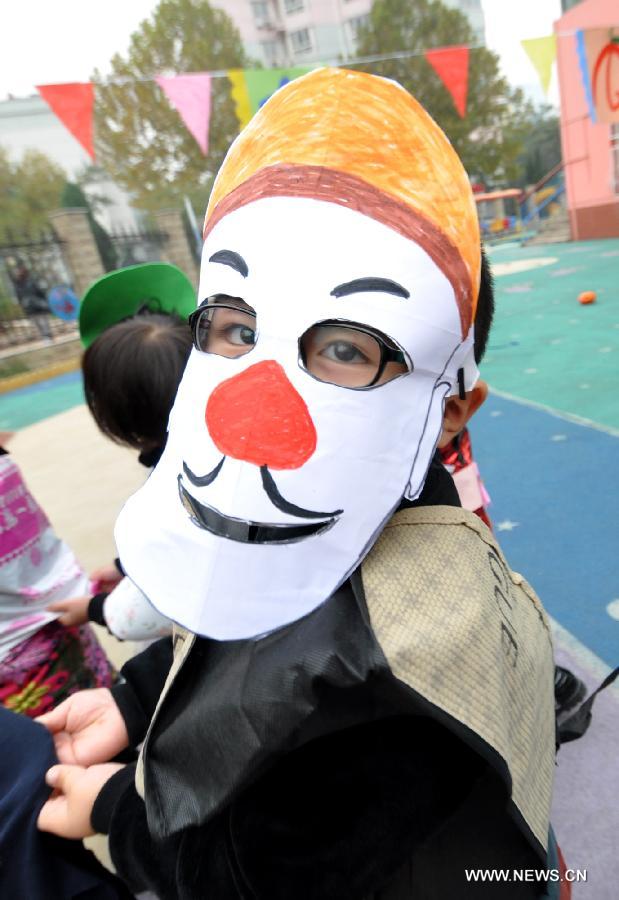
43, 42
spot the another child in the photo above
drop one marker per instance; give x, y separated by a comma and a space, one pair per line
133, 325
41, 661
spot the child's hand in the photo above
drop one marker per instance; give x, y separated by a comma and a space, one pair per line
87, 728
68, 810
74, 611
105, 578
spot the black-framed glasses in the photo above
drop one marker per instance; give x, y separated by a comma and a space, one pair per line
226, 327
350, 355
337, 352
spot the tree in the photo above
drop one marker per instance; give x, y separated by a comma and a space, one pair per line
30, 189
542, 150
73, 197
140, 140
489, 139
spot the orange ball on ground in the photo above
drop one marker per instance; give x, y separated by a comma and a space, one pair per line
587, 297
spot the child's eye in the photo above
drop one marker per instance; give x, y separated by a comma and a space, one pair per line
226, 327
343, 352
241, 335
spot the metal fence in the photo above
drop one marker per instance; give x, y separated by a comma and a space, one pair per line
137, 246
29, 267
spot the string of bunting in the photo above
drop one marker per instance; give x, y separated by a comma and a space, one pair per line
190, 93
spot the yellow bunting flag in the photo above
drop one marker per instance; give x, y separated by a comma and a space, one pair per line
240, 96
542, 52
253, 87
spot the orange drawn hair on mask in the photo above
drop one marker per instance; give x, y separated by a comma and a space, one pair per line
363, 142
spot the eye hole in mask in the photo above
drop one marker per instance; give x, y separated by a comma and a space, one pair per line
224, 325
337, 352
351, 355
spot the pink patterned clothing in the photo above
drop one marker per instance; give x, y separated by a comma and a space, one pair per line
40, 660
46, 668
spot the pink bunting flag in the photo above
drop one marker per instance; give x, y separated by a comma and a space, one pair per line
451, 64
190, 95
73, 104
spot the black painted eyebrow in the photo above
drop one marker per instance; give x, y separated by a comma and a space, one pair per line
232, 259
364, 285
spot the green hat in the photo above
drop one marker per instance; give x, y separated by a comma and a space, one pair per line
159, 286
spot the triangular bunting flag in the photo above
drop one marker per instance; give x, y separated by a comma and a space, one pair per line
190, 95
73, 104
542, 52
253, 87
261, 83
240, 96
451, 64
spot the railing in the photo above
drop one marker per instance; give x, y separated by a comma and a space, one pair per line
137, 246
542, 182
532, 210
29, 267
535, 213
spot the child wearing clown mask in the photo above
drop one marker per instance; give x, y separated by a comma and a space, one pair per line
361, 695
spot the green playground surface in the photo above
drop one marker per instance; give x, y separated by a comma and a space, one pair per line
547, 348
27, 405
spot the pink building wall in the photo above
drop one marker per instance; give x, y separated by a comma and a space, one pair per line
592, 201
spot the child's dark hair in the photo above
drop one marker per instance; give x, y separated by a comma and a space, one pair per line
485, 308
131, 374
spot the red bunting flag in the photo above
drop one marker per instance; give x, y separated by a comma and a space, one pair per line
73, 104
190, 95
451, 64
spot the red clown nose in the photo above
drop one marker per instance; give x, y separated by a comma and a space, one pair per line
259, 418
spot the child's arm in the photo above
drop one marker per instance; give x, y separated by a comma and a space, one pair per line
129, 616
93, 726
107, 577
335, 819
125, 612
74, 610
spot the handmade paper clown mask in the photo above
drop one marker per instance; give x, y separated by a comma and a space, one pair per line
339, 276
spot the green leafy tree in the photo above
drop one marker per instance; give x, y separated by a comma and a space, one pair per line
489, 139
542, 149
141, 140
92, 179
30, 189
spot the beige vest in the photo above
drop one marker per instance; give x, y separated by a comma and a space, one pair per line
465, 632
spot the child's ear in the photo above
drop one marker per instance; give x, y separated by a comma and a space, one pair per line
457, 411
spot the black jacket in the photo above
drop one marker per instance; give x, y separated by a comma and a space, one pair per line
352, 801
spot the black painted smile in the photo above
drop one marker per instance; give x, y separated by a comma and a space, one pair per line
249, 532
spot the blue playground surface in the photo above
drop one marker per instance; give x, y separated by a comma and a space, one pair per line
554, 506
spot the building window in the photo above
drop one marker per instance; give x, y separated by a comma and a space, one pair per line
293, 5
614, 149
355, 24
301, 40
270, 52
260, 10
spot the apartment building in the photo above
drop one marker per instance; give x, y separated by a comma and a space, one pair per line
295, 32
